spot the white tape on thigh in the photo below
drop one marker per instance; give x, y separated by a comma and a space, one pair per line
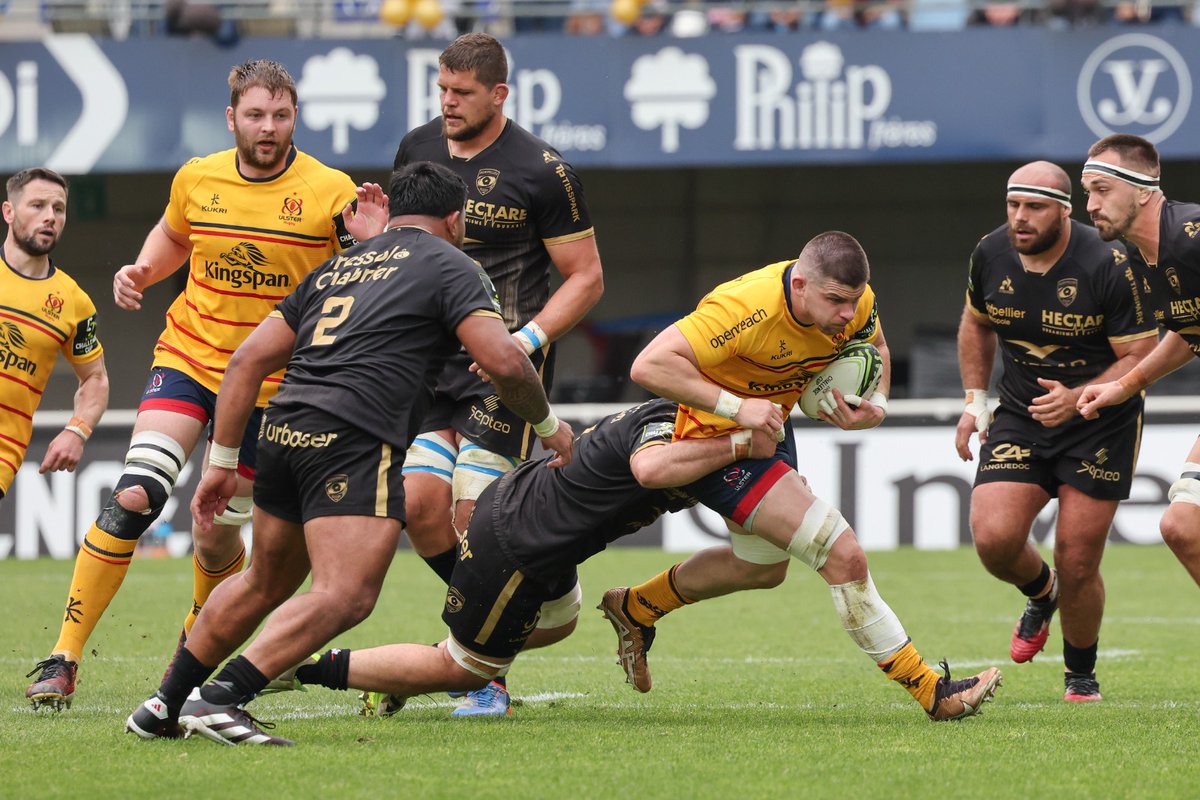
476, 468
1187, 488
753, 549
871, 623
238, 512
820, 528
432, 454
156, 456
556, 613
475, 663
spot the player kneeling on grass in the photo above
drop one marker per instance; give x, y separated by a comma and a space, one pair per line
762, 337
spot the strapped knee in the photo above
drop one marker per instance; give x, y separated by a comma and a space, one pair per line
1187, 488
238, 512
870, 621
820, 528
153, 462
432, 454
565, 609
476, 468
474, 663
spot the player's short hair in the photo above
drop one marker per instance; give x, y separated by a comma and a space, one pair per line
1135, 152
269, 75
425, 189
26, 176
837, 256
481, 53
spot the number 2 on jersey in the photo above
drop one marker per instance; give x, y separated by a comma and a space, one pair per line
333, 313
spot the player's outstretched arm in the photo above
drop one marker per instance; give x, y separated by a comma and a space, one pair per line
680, 462
516, 381
164, 251
91, 399
668, 368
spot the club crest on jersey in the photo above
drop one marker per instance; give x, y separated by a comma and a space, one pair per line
53, 306
1068, 290
1173, 280
292, 209
337, 486
486, 180
1191, 229
454, 601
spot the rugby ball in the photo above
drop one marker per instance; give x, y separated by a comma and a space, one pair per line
856, 371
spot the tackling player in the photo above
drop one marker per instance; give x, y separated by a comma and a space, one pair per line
525, 213
250, 223
1125, 201
1066, 310
740, 361
363, 339
43, 312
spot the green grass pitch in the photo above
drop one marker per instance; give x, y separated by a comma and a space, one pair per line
756, 695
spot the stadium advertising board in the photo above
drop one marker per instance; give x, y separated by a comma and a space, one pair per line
898, 486
83, 105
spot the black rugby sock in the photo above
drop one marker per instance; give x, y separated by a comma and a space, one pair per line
185, 674
1042, 583
237, 683
332, 670
443, 563
1080, 659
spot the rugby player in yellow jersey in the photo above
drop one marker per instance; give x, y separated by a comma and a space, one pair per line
740, 361
42, 312
250, 223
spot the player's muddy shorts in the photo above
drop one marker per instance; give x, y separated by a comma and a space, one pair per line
1096, 457
491, 607
313, 465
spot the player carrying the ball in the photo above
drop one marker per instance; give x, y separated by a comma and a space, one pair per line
740, 361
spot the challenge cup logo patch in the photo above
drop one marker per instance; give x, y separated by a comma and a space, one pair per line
337, 486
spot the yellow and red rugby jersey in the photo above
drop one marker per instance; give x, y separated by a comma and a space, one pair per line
748, 343
39, 318
253, 241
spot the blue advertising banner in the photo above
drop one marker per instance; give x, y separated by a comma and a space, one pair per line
83, 105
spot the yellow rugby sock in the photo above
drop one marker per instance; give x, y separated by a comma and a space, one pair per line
100, 568
908, 669
205, 580
654, 599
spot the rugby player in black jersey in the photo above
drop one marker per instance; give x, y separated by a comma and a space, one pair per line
1121, 177
525, 213
363, 338
1064, 308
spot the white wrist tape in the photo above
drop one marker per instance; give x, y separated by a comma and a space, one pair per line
977, 406
728, 405
223, 457
531, 337
547, 427
879, 401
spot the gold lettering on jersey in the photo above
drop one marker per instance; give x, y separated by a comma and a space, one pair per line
1185, 309
1007, 457
732, 333
1067, 290
490, 215
12, 339
1139, 314
286, 436
1003, 315
1096, 471
356, 275
561, 172
488, 421
1071, 324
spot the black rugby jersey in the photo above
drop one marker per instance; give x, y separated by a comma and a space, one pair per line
1058, 325
521, 196
374, 326
1172, 286
549, 520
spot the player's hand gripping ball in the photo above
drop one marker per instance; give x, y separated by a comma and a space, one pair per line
855, 373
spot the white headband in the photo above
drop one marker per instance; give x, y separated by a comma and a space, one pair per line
1044, 192
1122, 174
